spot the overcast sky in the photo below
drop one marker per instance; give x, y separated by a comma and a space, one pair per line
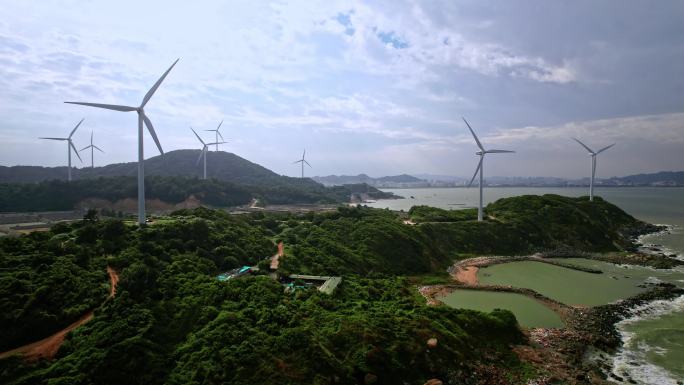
377, 87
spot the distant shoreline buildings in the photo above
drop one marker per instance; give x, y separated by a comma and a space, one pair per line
660, 179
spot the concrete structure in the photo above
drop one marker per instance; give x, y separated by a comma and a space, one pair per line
328, 284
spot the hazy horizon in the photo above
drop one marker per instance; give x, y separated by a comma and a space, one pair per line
374, 88
420, 175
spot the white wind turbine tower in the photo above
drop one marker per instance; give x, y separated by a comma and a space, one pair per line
481, 153
218, 134
302, 161
203, 152
70, 146
593, 165
141, 118
92, 148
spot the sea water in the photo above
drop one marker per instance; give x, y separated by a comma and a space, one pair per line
653, 351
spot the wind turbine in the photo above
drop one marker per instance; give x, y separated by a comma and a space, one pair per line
217, 134
203, 152
70, 146
593, 165
302, 161
141, 118
92, 148
481, 153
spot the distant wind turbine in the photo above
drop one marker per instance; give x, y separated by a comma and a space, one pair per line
218, 134
70, 146
141, 118
203, 152
92, 148
481, 153
302, 161
593, 165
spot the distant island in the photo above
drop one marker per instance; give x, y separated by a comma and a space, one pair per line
658, 179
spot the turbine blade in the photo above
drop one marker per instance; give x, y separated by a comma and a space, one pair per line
297, 161
219, 134
71, 144
584, 145
150, 128
219, 126
98, 149
76, 128
86, 147
604, 148
474, 136
91, 137
211, 144
156, 85
198, 137
479, 166
200, 156
307, 163
55, 138
114, 107
497, 151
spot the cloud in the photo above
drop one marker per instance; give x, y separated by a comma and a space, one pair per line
352, 79
663, 128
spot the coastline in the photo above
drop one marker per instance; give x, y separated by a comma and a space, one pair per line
590, 349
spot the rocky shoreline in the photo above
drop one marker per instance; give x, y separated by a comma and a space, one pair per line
580, 353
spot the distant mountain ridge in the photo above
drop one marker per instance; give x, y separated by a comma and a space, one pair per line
657, 179
172, 178
403, 180
220, 165
663, 178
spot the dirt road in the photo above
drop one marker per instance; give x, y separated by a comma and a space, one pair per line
275, 261
48, 347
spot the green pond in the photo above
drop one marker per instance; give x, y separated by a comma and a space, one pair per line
529, 312
574, 287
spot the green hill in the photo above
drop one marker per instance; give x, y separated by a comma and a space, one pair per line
171, 178
173, 322
365, 241
220, 165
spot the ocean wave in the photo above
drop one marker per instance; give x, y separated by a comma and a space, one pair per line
669, 229
630, 361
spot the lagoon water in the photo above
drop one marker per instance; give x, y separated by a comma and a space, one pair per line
574, 287
529, 312
654, 337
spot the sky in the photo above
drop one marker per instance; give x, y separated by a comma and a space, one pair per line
375, 87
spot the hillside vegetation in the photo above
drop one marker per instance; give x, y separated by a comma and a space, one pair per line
366, 241
173, 322
171, 178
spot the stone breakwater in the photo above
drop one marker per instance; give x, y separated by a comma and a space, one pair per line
480, 262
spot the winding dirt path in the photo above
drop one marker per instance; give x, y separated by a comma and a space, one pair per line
48, 347
275, 260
